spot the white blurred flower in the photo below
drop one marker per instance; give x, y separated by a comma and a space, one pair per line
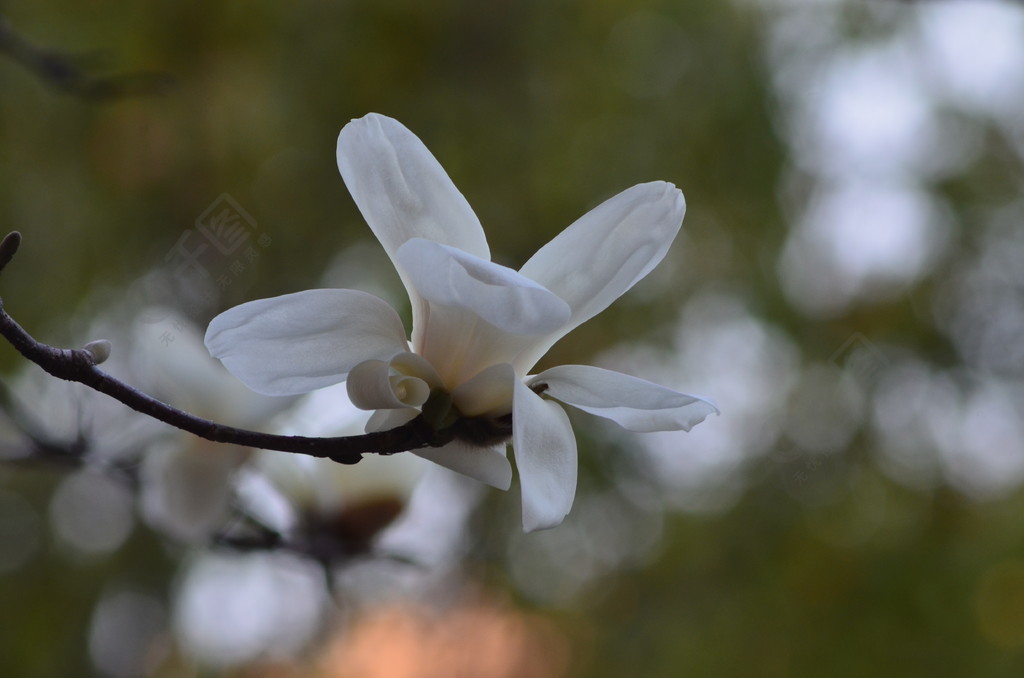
478, 327
186, 487
302, 497
233, 608
187, 481
325, 488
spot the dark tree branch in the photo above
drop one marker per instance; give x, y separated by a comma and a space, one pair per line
79, 365
68, 73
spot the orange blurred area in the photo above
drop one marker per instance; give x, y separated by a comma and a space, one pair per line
476, 638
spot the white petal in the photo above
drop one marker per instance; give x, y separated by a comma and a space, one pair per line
488, 394
385, 420
486, 464
500, 296
403, 192
459, 345
300, 342
545, 450
416, 366
369, 386
411, 391
377, 384
605, 252
632, 403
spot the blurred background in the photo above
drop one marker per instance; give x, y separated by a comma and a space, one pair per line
848, 287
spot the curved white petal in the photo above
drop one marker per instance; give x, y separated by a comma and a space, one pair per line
300, 342
403, 192
605, 252
545, 450
414, 365
372, 385
497, 294
383, 384
368, 386
632, 403
486, 464
411, 391
488, 394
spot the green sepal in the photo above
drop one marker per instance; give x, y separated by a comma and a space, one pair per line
438, 411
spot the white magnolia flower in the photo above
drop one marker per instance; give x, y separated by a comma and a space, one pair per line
478, 327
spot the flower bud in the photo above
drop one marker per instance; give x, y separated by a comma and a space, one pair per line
99, 350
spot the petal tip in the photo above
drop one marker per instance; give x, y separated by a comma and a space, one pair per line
709, 402
531, 524
668, 192
712, 409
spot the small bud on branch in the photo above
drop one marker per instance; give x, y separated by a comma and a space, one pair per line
9, 247
99, 350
